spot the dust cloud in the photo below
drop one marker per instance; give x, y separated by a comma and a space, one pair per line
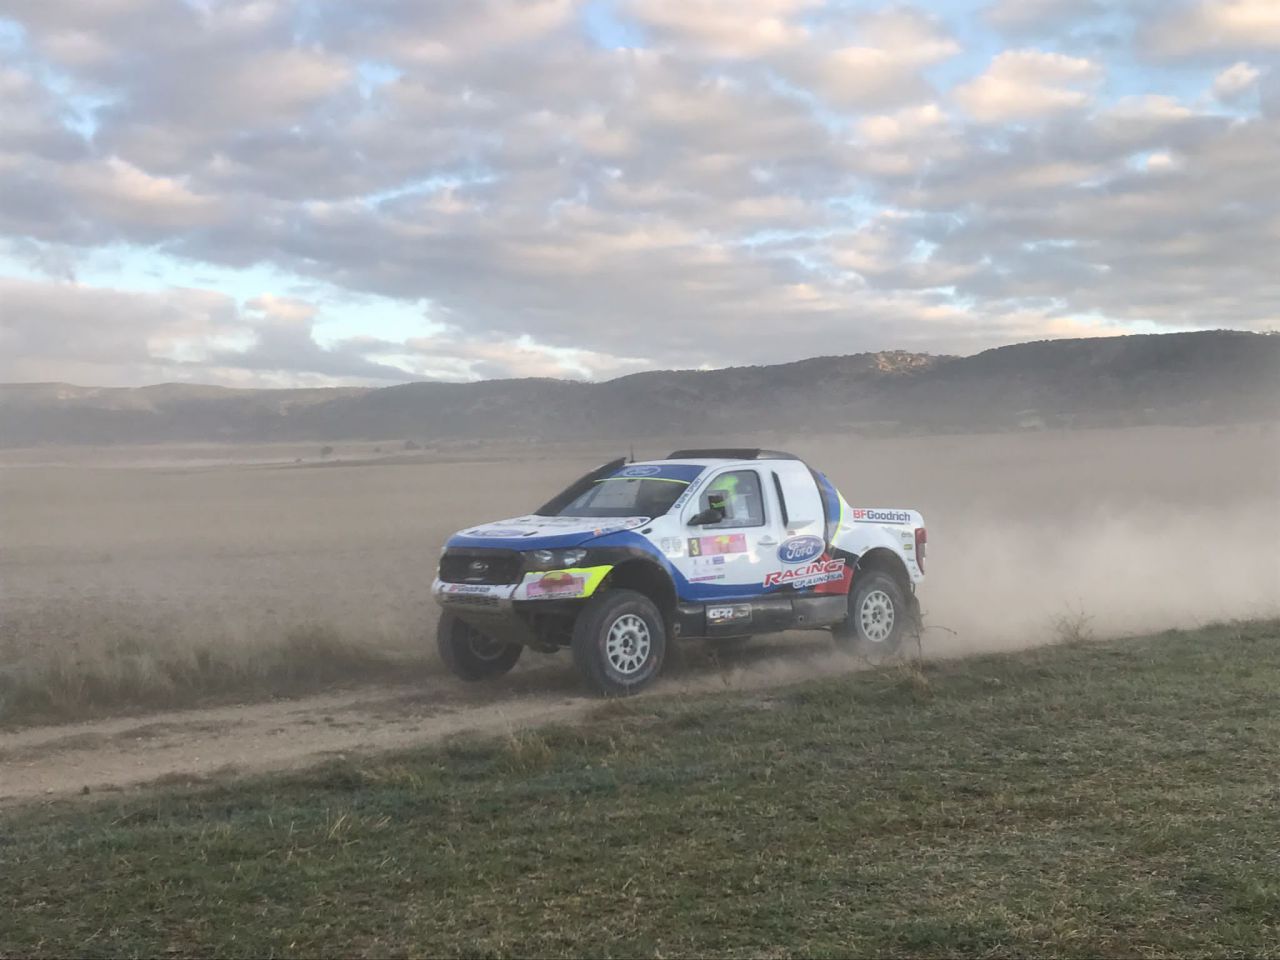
1132, 530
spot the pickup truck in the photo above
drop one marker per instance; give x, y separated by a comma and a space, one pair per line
715, 544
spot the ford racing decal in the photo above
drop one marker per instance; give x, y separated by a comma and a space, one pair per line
824, 571
801, 549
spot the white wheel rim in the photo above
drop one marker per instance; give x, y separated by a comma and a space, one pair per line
627, 644
876, 616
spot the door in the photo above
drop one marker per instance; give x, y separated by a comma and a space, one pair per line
729, 558
801, 562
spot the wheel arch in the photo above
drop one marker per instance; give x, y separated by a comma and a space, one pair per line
887, 561
647, 578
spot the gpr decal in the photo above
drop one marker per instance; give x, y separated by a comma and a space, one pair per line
801, 549
737, 613
559, 583
823, 571
725, 543
865, 515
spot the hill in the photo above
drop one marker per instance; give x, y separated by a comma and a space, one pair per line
1187, 378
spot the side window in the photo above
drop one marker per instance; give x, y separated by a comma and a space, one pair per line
739, 491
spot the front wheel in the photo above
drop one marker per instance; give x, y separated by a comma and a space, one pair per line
619, 641
878, 616
470, 654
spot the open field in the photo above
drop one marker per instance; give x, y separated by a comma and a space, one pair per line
161, 577
1113, 799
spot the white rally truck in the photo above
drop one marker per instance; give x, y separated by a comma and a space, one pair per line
705, 543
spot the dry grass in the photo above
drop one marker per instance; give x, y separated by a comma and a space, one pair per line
75, 684
1110, 800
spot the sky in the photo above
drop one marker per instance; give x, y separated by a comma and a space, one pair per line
314, 192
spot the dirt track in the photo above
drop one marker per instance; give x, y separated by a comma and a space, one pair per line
120, 753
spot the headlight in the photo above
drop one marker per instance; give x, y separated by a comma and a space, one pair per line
554, 559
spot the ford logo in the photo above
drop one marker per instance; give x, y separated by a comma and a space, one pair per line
801, 549
642, 471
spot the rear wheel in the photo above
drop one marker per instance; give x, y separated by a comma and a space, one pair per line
619, 642
471, 654
878, 616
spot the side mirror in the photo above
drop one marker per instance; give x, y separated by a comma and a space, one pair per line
709, 515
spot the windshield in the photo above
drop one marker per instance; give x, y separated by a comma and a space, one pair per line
626, 497
637, 490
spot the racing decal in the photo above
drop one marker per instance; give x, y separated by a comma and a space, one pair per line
801, 549
631, 523
724, 543
472, 589
672, 546
447, 591
559, 583
730, 613
821, 571
866, 515
571, 584
689, 492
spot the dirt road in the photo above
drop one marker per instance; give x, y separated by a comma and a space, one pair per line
120, 753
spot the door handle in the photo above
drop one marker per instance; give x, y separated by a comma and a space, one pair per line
767, 542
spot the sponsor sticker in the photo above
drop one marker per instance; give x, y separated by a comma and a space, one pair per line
497, 533
735, 613
707, 578
801, 549
559, 583
869, 515
822, 571
630, 523
672, 546
719, 545
469, 588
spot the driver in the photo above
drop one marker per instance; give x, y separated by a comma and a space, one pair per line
727, 488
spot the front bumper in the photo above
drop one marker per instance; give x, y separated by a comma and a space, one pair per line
510, 611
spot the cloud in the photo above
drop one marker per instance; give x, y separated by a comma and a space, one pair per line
748, 28
554, 192
1034, 16
1027, 85
1235, 81
1183, 29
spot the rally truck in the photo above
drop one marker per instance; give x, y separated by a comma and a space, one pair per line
716, 544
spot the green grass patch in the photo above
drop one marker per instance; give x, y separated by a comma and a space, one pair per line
1115, 799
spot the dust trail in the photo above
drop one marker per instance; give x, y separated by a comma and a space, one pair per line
999, 584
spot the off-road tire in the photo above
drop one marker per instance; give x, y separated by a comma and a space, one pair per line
471, 655
619, 642
880, 616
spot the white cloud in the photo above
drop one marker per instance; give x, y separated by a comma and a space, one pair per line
1235, 81
1029, 84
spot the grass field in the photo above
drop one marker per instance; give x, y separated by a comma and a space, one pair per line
1098, 799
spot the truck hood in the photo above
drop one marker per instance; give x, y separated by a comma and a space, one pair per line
537, 533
